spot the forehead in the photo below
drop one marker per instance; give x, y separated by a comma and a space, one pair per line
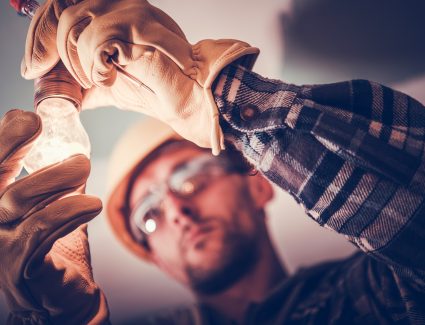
162, 164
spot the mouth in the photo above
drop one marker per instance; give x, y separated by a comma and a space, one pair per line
196, 236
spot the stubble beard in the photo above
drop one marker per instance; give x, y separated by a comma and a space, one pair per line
239, 257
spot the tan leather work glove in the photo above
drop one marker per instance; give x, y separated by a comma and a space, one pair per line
41, 53
147, 43
46, 277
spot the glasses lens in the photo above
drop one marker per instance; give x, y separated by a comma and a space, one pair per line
195, 175
147, 215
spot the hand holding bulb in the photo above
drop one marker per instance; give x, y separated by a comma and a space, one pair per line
45, 270
143, 65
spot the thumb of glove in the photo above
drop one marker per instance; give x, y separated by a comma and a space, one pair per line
18, 130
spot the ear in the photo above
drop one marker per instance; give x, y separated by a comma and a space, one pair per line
261, 190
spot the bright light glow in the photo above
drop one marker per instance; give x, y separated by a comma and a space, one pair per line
150, 225
187, 188
62, 135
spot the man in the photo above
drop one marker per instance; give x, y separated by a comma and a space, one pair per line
351, 153
199, 218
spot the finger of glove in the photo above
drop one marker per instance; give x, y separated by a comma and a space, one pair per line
41, 53
18, 129
122, 30
71, 24
42, 229
37, 190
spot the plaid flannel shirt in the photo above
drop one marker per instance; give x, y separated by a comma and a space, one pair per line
352, 154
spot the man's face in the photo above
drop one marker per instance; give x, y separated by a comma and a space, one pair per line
208, 240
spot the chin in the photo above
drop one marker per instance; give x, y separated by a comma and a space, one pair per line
205, 253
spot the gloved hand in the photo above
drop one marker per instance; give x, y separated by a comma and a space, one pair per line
45, 278
41, 53
148, 44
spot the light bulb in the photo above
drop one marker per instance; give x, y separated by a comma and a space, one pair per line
58, 102
62, 134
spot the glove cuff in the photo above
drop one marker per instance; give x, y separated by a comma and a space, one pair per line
209, 58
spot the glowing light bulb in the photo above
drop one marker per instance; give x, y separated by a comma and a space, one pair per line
62, 134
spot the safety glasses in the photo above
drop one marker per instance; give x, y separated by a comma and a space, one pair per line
187, 180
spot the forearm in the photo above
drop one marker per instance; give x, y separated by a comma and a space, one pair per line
350, 153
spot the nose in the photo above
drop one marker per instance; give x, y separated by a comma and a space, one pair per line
180, 212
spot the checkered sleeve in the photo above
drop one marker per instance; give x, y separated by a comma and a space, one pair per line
351, 153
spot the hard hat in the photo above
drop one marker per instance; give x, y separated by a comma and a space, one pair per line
135, 145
